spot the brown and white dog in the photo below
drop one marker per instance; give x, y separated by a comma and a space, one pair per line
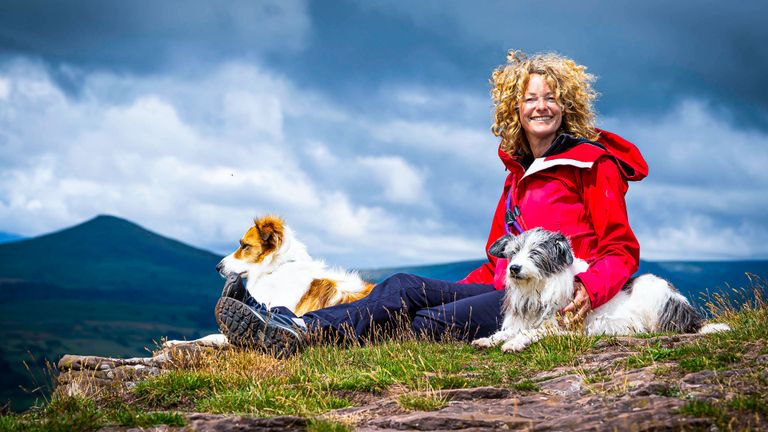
280, 272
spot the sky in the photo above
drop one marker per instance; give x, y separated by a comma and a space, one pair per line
366, 124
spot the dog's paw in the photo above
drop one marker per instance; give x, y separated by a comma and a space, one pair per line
485, 342
516, 344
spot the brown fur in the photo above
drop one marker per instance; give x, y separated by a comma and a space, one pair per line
262, 239
322, 292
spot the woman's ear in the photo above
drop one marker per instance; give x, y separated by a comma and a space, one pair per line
498, 247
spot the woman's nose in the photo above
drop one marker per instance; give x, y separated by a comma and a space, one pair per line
541, 104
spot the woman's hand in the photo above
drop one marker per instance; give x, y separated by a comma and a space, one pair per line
574, 314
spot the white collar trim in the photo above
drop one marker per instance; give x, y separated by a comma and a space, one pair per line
541, 163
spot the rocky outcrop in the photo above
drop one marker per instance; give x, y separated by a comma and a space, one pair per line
91, 375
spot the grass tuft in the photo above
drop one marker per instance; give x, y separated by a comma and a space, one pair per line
177, 388
127, 416
316, 425
526, 385
428, 401
697, 408
751, 403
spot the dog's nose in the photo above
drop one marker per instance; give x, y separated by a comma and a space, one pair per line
219, 266
515, 269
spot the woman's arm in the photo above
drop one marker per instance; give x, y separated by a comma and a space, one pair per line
618, 251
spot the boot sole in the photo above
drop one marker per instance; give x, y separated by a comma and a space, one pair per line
246, 328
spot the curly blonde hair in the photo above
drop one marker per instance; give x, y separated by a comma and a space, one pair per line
570, 82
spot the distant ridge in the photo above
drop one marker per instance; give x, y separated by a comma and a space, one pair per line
107, 253
6, 237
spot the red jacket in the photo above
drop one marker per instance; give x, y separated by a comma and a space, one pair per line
577, 188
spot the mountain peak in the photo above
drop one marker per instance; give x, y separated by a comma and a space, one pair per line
108, 219
102, 252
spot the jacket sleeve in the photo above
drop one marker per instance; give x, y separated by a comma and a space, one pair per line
618, 251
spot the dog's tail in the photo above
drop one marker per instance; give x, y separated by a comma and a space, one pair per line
679, 316
350, 296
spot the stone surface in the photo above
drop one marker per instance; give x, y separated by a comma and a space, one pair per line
547, 413
201, 422
566, 385
222, 423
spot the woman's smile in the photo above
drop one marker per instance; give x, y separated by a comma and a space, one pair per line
540, 114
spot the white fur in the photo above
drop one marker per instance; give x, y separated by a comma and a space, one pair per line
214, 340
635, 312
282, 278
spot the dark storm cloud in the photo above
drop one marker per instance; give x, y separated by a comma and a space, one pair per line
144, 36
648, 55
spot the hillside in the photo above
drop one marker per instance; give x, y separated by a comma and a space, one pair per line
106, 286
109, 254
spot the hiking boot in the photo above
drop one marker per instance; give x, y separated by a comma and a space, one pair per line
254, 325
234, 288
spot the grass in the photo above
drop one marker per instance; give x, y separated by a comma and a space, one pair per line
526, 386
324, 378
422, 402
699, 408
75, 414
327, 426
738, 413
316, 381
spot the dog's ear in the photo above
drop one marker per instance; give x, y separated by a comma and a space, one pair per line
497, 248
271, 230
563, 248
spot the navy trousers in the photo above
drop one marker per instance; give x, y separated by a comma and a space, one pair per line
432, 308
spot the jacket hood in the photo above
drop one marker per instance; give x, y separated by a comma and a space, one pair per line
631, 162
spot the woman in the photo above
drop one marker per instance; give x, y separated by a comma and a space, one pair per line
564, 175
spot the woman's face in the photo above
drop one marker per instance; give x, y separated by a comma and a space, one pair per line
540, 115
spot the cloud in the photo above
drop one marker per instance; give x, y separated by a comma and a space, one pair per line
197, 158
401, 183
705, 195
411, 178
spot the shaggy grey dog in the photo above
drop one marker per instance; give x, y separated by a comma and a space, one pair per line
539, 282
